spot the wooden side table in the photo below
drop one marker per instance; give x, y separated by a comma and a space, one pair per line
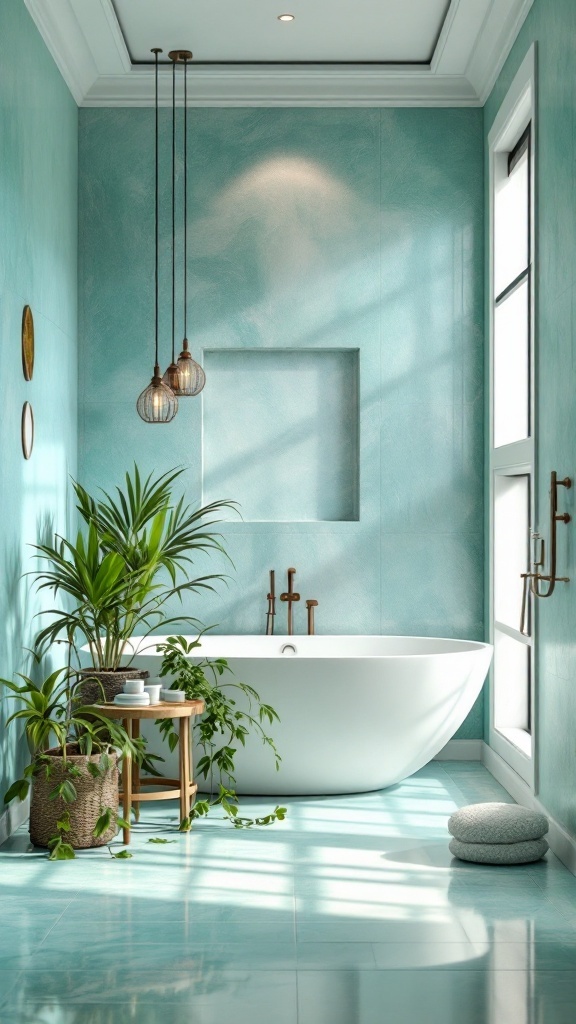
183, 787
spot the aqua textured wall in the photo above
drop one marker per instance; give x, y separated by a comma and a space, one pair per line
552, 24
310, 229
38, 266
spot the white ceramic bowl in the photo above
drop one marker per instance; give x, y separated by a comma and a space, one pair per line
173, 696
153, 689
132, 700
134, 686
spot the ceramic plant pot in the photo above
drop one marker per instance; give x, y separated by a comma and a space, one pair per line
94, 794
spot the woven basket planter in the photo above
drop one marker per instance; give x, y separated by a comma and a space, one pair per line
111, 682
93, 796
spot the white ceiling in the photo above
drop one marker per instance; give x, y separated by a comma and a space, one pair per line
226, 30
349, 53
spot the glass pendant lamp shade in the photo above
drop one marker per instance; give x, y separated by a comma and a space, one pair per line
191, 376
157, 403
171, 378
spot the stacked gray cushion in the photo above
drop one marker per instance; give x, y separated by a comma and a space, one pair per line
497, 833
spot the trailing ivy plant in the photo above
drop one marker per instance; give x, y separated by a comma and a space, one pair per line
222, 727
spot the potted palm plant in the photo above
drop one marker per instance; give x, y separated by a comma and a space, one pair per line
131, 556
74, 780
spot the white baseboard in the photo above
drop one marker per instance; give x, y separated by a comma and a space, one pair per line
461, 750
560, 841
14, 816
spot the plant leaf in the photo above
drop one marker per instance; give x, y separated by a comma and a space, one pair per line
18, 789
103, 823
61, 851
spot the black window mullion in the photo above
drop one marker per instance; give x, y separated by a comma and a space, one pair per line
524, 275
521, 147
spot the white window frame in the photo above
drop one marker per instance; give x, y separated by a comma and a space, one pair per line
517, 111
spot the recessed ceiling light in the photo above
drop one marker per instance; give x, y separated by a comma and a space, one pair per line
285, 17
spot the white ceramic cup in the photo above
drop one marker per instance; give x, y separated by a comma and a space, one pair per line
134, 686
154, 690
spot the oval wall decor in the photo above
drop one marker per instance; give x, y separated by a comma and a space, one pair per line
27, 430
27, 343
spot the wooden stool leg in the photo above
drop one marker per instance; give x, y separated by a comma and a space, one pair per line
188, 765
136, 770
184, 745
127, 784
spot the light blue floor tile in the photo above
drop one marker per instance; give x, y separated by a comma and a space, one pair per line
335, 956
453, 956
256, 955
533, 957
205, 995
136, 913
436, 997
64, 936
8, 983
393, 929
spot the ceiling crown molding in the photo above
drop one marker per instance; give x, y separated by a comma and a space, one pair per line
86, 42
499, 31
59, 27
288, 86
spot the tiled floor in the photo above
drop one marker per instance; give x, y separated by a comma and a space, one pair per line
350, 912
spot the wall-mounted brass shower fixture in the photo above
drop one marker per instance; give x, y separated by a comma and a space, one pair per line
533, 580
271, 606
290, 596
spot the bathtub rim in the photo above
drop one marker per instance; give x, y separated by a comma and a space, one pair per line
462, 647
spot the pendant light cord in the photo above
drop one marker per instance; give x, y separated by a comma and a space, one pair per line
173, 207
156, 52
185, 196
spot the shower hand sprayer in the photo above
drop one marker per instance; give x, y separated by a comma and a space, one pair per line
533, 580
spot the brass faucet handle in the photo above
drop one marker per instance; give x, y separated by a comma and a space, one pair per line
289, 597
311, 604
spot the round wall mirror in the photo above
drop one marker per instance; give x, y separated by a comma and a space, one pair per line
27, 430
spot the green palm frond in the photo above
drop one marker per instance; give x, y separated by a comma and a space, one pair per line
133, 555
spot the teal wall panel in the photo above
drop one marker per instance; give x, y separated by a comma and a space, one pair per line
309, 229
38, 266
552, 25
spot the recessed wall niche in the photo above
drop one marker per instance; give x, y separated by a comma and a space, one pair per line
280, 433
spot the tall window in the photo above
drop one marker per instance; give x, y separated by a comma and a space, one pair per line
511, 144
512, 280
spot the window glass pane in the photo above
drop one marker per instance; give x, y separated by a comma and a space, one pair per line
511, 220
511, 525
511, 367
511, 682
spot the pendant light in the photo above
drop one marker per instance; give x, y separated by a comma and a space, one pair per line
191, 376
157, 403
171, 375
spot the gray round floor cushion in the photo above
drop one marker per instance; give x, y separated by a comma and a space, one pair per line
499, 853
498, 833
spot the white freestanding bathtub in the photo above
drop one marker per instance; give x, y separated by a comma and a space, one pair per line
357, 713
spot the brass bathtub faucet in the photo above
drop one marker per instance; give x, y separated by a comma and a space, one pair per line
311, 605
290, 596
